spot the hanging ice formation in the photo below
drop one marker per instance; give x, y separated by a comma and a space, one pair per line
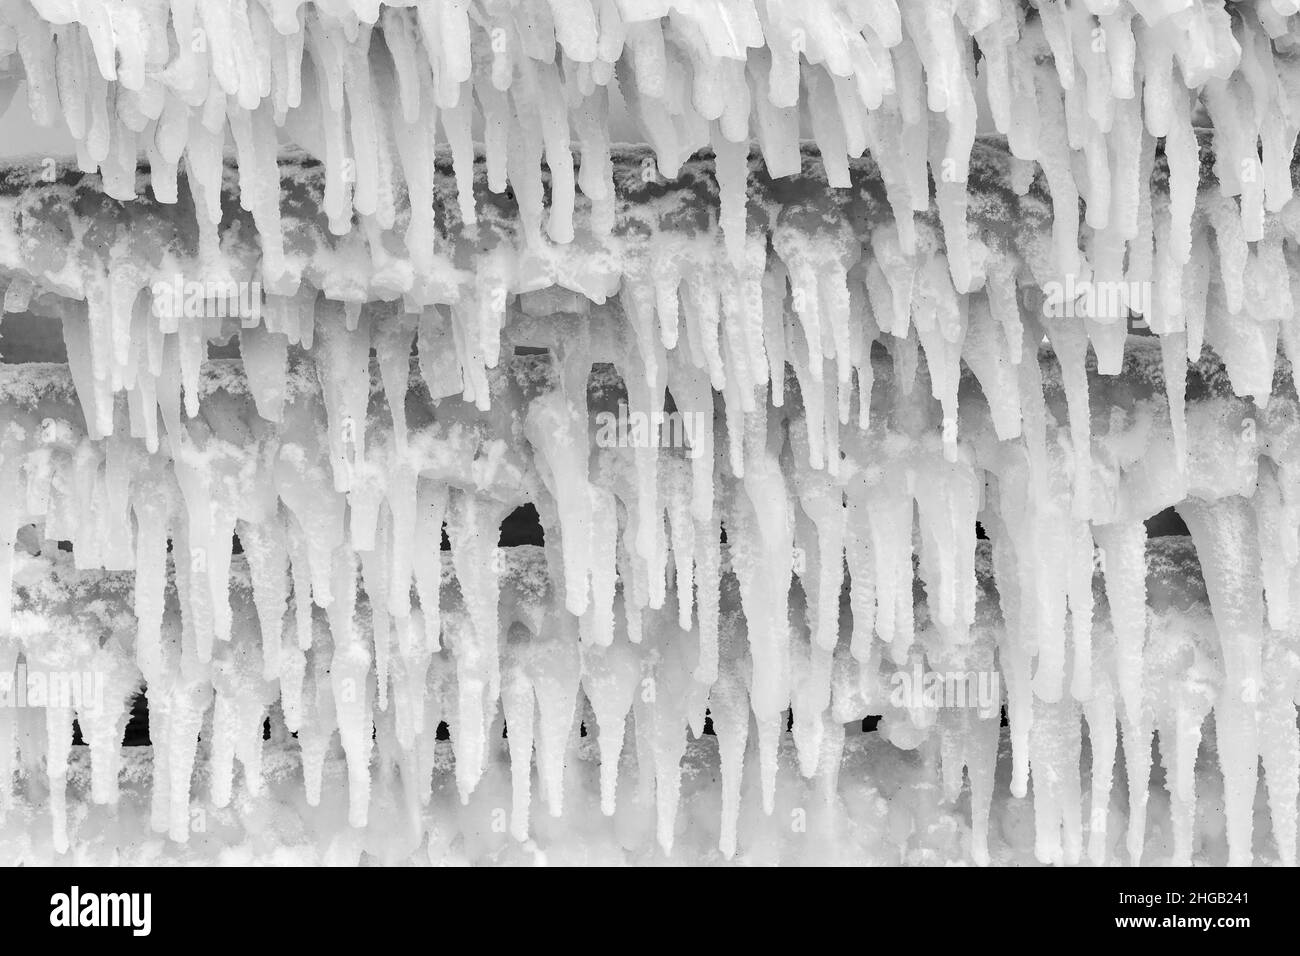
843, 354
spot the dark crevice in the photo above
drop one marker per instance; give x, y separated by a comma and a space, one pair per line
522, 526
137, 728
1165, 524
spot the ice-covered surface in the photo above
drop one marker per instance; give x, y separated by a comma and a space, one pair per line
859, 360
887, 797
885, 812
591, 628
125, 276
1084, 90
337, 469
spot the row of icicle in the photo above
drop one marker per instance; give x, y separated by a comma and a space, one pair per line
633, 528
1083, 90
814, 295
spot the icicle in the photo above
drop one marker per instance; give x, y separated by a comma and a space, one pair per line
430, 507
268, 563
729, 705
1279, 742
1013, 655
10, 515
978, 753
519, 707
1100, 713
661, 718
763, 566
559, 438
1054, 742
266, 357
343, 363
103, 719
317, 530
828, 128
8, 724
473, 526
176, 709
393, 341
352, 687
555, 669
1227, 545
732, 171
707, 585
1054, 157
610, 678
152, 505
993, 367
1071, 349
455, 119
